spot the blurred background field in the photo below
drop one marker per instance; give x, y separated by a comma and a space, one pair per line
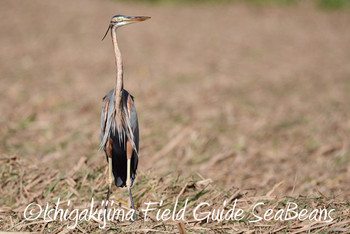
245, 93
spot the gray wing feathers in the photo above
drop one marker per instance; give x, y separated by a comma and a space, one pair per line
106, 126
130, 122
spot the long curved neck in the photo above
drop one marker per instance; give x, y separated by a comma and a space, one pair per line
119, 63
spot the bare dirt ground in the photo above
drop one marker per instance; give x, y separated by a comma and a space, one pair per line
233, 99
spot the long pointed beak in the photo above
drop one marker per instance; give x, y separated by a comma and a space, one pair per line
137, 19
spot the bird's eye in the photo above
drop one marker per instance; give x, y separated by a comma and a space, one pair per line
117, 19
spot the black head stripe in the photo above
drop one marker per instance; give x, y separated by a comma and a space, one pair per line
106, 32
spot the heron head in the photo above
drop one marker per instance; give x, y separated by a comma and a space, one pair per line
120, 20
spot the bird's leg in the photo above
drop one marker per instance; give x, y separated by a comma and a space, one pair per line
110, 178
129, 150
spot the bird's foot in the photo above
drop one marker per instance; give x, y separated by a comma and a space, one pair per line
131, 204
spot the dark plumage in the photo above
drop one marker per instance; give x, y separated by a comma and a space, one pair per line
110, 131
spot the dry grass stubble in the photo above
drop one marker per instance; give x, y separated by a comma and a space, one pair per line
255, 97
